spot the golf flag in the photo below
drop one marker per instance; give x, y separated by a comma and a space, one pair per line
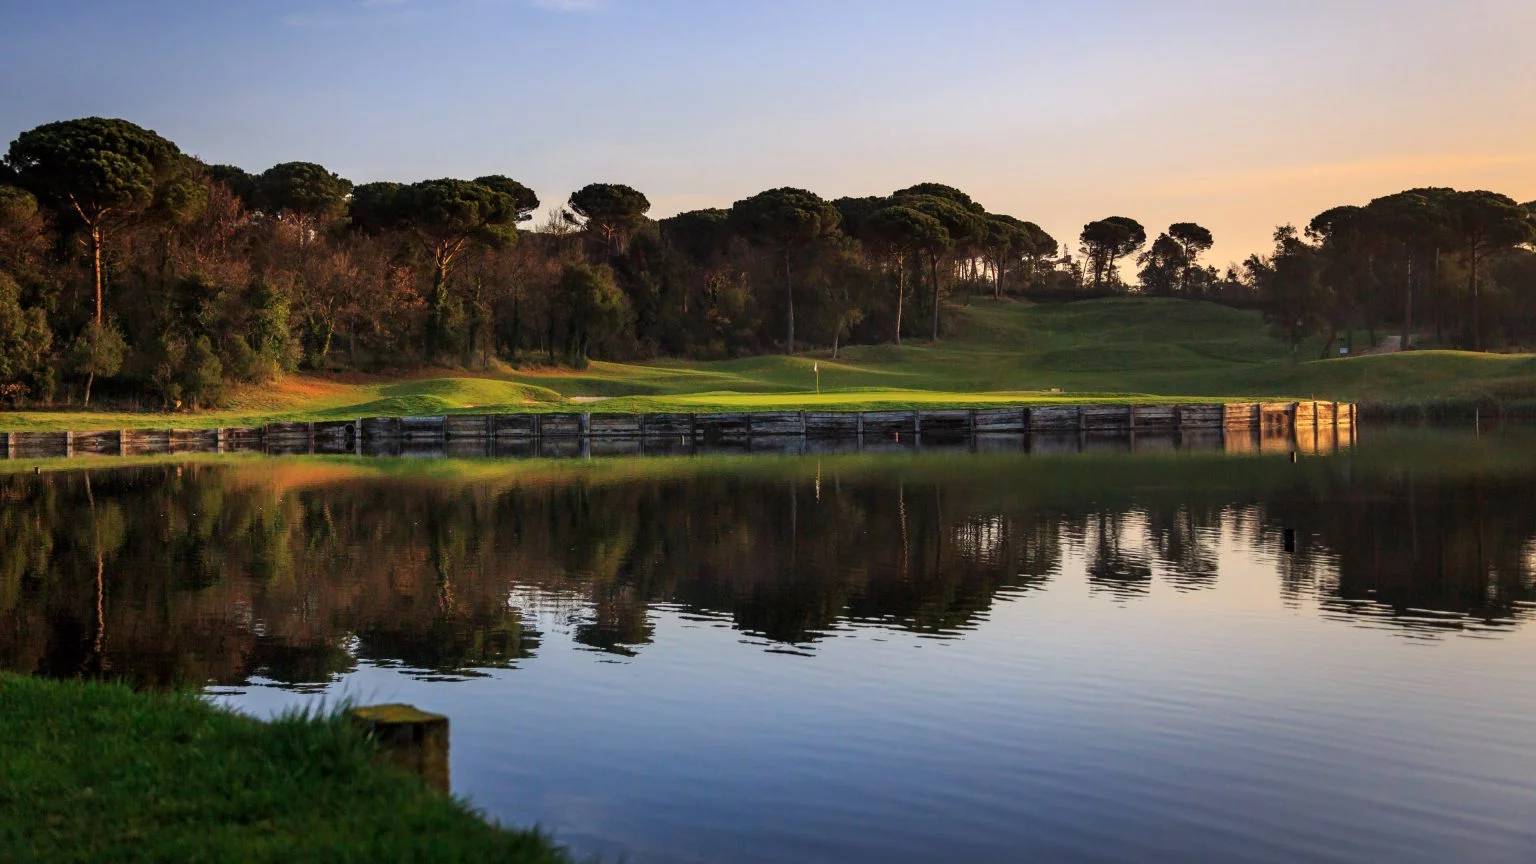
816, 366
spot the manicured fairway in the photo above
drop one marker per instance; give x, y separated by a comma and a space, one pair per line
1120, 350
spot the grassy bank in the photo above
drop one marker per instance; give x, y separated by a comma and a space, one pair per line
1010, 353
95, 772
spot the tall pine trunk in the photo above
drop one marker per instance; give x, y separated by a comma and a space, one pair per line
96, 267
436, 303
1477, 319
789, 303
901, 290
933, 264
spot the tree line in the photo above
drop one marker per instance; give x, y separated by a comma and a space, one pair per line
130, 268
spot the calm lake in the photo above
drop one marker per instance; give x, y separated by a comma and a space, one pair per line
1191, 655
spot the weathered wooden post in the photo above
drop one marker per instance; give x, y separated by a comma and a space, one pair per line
410, 738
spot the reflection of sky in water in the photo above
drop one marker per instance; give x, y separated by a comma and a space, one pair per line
1068, 722
915, 659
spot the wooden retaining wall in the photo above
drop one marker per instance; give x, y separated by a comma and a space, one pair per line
1313, 426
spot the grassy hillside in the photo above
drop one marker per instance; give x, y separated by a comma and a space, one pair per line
1124, 349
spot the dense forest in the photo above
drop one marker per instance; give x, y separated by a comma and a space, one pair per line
135, 273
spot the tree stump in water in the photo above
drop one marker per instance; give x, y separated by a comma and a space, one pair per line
415, 740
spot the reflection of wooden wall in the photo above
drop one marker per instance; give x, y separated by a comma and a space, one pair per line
1315, 427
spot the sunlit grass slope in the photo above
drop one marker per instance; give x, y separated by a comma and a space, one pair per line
1125, 350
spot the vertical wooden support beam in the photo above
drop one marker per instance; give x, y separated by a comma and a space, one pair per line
69, 444
971, 420
1026, 416
917, 423
584, 426
803, 432
410, 738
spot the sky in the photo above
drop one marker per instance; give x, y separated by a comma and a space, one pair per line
1237, 114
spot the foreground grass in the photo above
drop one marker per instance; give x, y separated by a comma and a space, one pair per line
95, 772
1126, 350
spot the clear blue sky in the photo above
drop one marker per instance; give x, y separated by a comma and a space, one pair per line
1234, 113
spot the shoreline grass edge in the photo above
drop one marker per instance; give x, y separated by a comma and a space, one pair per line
99, 772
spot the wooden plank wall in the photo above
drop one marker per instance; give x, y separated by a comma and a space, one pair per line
1271, 424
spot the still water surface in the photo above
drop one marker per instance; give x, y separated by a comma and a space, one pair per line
957, 657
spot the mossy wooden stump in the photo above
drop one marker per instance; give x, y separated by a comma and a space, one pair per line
411, 738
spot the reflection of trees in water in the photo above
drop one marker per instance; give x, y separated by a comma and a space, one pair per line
618, 621
1182, 538
1426, 555
206, 573
1114, 566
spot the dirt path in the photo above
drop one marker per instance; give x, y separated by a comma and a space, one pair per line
1390, 345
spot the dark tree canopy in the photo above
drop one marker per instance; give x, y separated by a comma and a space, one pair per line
372, 207
93, 166
1108, 240
939, 190
960, 222
94, 170
610, 210
854, 214
962, 225
524, 201
699, 234
1196, 240
444, 213
787, 219
1339, 224
905, 231
237, 180
907, 228
1042, 244
1485, 223
304, 190
445, 216
1163, 266
1007, 239
784, 217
